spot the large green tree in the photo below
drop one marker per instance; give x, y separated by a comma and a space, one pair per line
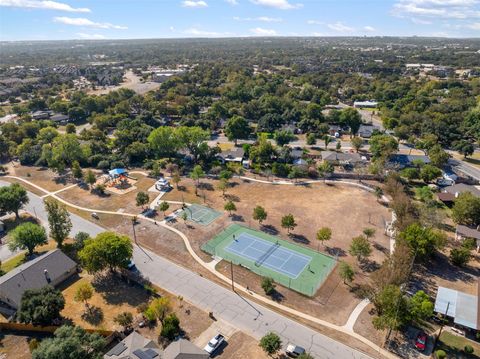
237, 128
466, 209
40, 306
270, 343
71, 343
423, 240
163, 141
106, 250
13, 198
58, 220
27, 236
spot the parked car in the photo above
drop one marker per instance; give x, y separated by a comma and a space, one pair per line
421, 341
148, 212
214, 343
95, 215
294, 350
131, 265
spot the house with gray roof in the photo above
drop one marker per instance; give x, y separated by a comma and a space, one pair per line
51, 268
459, 188
136, 346
463, 308
234, 155
341, 158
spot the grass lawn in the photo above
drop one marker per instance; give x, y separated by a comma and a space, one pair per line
453, 345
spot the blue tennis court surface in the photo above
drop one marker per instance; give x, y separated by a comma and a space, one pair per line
270, 255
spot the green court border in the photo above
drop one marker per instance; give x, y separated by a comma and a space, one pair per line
308, 281
196, 207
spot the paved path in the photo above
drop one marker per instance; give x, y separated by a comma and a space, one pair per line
236, 310
352, 319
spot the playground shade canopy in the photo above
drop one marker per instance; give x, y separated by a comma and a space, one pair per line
117, 172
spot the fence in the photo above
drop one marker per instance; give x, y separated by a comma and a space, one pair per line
22, 327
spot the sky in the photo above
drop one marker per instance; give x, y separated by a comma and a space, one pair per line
122, 19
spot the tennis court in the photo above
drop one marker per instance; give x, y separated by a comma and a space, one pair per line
294, 266
282, 260
201, 214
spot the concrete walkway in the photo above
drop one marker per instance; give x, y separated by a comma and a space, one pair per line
211, 269
352, 319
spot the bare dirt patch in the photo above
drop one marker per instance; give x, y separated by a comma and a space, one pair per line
241, 346
15, 345
364, 326
42, 177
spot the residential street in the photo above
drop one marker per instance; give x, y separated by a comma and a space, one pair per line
466, 168
36, 208
247, 316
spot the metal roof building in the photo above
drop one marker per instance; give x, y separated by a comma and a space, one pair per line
462, 307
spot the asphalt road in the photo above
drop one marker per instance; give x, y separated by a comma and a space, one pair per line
466, 168
241, 313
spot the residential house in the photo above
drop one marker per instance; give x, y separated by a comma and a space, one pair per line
449, 193
463, 232
463, 308
59, 118
366, 131
334, 130
402, 160
341, 158
136, 346
41, 115
234, 155
51, 268
365, 104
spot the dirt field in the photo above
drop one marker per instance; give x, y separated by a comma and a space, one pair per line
242, 346
14, 346
312, 210
365, 328
44, 178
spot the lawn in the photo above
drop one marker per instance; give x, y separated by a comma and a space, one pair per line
453, 345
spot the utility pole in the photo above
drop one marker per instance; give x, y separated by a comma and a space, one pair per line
133, 227
441, 327
231, 274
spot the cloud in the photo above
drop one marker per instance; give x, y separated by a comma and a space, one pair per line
448, 9
194, 3
420, 21
277, 4
259, 18
369, 28
340, 27
474, 26
47, 5
202, 33
232, 2
258, 31
82, 35
314, 22
80, 21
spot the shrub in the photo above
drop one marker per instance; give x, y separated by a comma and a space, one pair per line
460, 256
171, 327
468, 349
440, 354
268, 285
103, 165
117, 164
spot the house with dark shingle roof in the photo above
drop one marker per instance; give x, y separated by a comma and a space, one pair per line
136, 346
341, 158
51, 268
401, 160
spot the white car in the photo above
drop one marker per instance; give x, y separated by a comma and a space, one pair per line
294, 350
214, 343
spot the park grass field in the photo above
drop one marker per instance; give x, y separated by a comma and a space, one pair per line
308, 280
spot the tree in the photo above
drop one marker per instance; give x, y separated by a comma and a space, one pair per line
270, 343
420, 307
90, 178
259, 214
352, 118
283, 137
76, 341
176, 178
191, 139
184, 216
460, 256
164, 206
428, 173
423, 240
383, 146
360, 248
327, 139
369, 232
311, 139
77, 170
79, 240
142, 199
170, 327
324, 234
237, 128
197, 174
106, 250
160, 307
391, 307
230, 207
464, 147
40, 306
338, 146
346, 272
357, 143
288, 222
58, 220
125, 319
13, 198
222, 186
84, 293
268, 285
438, 156
466, 209
325, 169
27, 236
424, 194
163, 141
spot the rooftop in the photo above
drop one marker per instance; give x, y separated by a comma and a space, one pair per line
462, 307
